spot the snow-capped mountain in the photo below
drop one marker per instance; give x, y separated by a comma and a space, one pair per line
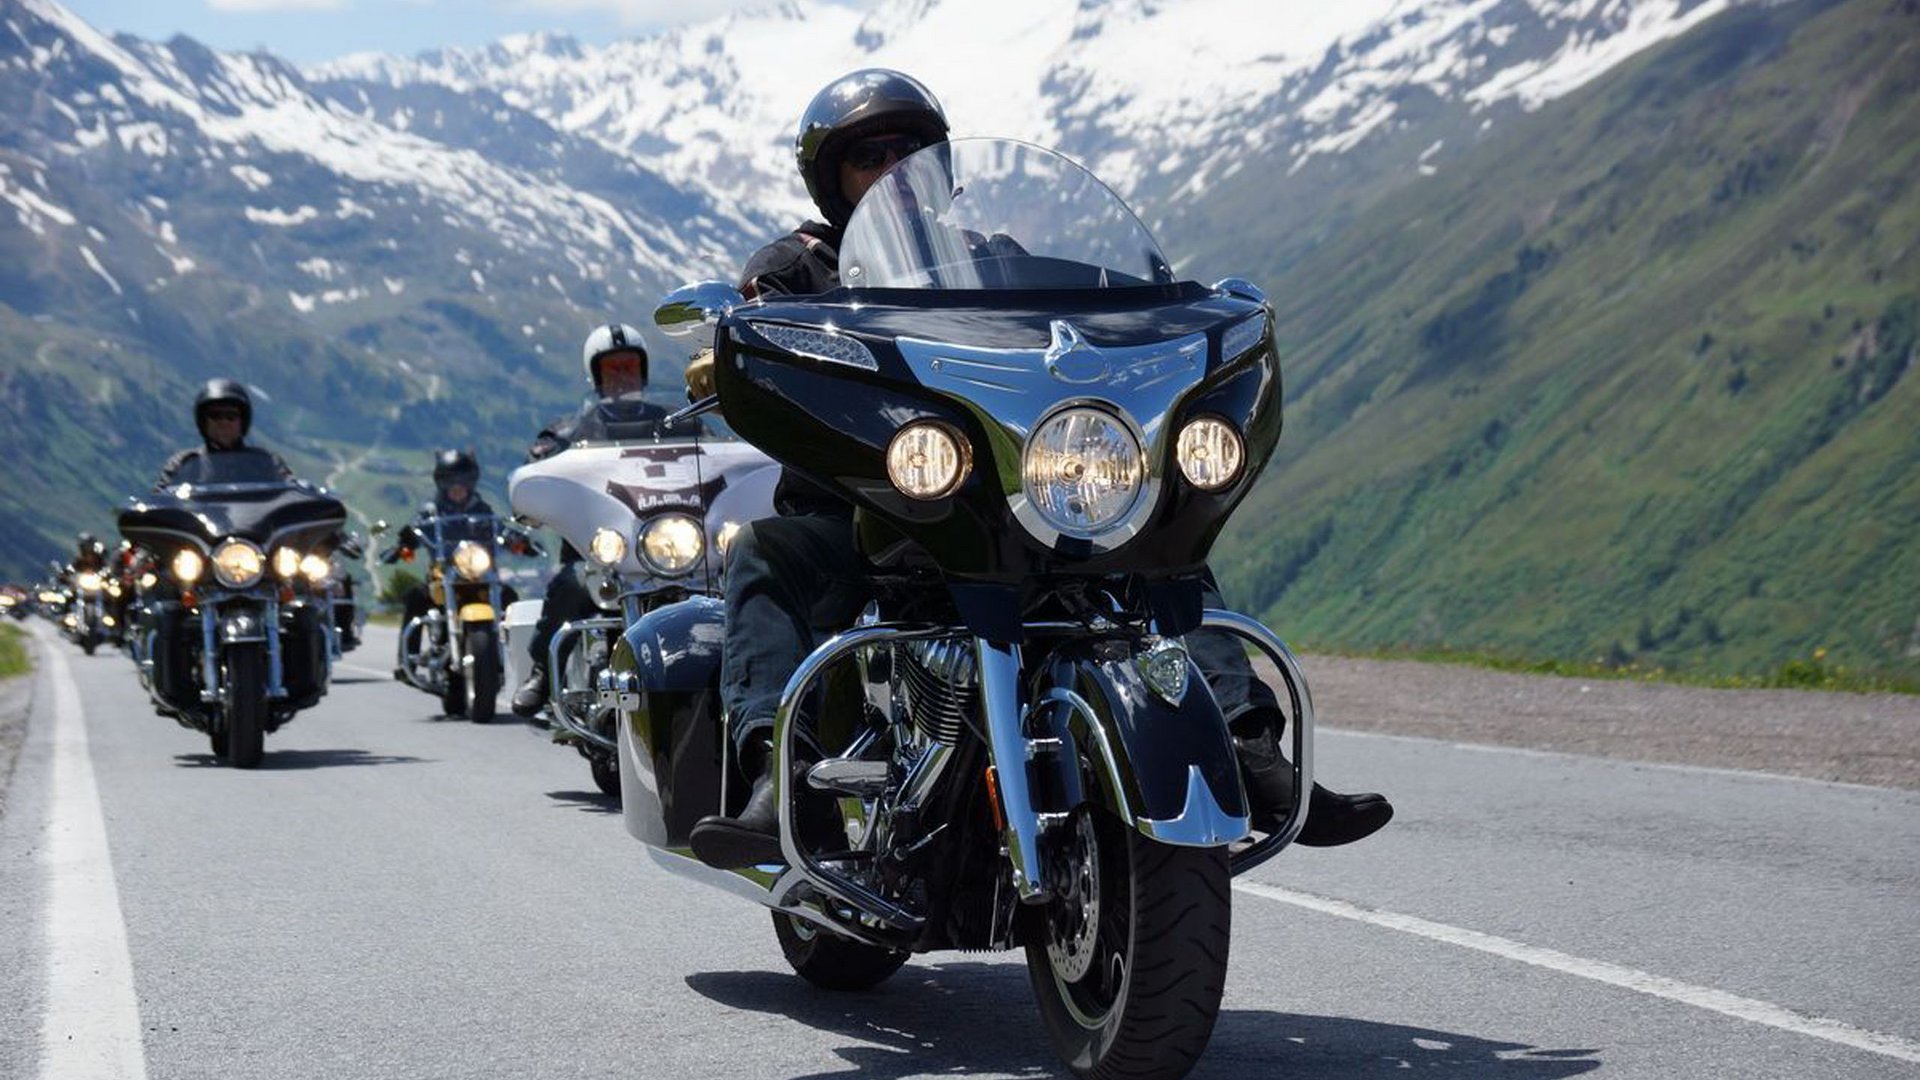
1162, 98
405, 251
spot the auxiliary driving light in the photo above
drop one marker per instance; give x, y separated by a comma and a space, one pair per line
286, 562
1210, 453
607, 547
927, 460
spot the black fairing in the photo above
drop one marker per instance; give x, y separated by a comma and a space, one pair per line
832, 422
279, 513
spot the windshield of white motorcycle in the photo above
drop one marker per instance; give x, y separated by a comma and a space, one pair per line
996, 214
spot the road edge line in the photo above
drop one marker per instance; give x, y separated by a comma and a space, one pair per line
1626, 978
91, 1026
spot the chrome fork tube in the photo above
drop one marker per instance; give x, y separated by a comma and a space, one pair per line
209, 670
1007, 742
270, 626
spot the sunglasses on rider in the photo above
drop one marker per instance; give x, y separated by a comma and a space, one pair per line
223, 414
869, 154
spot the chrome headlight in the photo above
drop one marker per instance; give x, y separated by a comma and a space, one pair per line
238, 563
1210, 453
1083, 471
316, 568
607, 547
472, 560
286, 562
927, 460
671, 543
88, 581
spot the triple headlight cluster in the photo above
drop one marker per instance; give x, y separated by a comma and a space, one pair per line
1083, 468
668, 545
240, 564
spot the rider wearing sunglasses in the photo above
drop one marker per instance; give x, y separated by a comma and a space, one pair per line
794, 579
223, 411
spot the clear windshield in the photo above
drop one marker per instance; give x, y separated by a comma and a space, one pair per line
996, 214
229, 469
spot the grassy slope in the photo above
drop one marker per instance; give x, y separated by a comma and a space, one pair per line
1628, 384
14, 659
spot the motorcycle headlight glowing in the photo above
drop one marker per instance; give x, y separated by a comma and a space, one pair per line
149, 579
1210, 453
286, 562
607, 547
88, 581
1083, 471
671, 543
238, 564
927, 460
188, 566
472, 560
316, 568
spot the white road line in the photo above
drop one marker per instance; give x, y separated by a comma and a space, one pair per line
1700, 997
92, 1025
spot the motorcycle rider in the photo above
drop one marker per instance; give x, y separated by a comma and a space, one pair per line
616, 364
456, 480
88, 554
799, 576
223, 412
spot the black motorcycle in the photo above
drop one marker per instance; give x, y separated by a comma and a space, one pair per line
231, 649
1042, 432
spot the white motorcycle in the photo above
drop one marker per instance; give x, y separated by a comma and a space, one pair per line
652, 518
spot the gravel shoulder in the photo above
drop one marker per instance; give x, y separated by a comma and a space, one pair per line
1853, 738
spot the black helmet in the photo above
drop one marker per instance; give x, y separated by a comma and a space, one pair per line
86, 541
452, 467
611, 338
225, 392
866, 102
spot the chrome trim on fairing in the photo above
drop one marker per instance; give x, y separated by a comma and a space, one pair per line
556, 696
1276, 650
1242, 288
1019, 388
1202, 821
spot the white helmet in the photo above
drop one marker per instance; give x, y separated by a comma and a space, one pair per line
613, 337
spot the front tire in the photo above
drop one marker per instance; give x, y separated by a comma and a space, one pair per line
483, 681
606, 774
1128, 966
246, 704
831, 962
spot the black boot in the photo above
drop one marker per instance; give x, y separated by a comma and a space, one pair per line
753, 838
1332, 818
531, 697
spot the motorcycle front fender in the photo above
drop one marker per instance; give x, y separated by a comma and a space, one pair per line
1167, 769
662, 683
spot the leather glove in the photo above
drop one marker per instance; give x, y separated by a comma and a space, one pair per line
700, 375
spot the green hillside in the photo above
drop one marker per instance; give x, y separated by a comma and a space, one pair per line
1628, 384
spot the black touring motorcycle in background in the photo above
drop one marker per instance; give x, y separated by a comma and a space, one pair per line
1042, 432
230, 648
454, 651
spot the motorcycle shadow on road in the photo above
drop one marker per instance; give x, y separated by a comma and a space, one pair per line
587, 802
289, 760
932, 1018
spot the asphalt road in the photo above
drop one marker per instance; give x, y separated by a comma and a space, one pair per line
396, 895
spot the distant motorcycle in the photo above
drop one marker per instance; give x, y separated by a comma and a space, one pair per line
454, 650
232, 650
653, 516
